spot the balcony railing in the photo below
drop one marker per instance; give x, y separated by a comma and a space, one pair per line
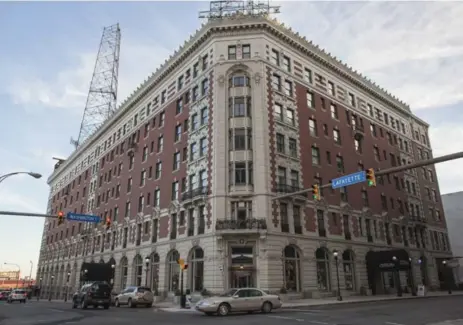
286, 188
231, 224
191, 194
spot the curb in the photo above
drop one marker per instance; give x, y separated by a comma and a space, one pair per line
347, 302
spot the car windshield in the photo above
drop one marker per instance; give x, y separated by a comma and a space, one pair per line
143, 289
229, 293
20, 292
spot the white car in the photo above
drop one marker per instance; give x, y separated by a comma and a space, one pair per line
17, 295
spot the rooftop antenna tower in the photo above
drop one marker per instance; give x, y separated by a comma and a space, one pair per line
102, 95
222, 9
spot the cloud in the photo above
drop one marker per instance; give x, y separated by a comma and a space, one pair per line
446, 139
69, 87
413, 50
14, 202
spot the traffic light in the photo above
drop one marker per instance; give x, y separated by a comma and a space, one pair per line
60, 217
316, 192
371, 178
181, 263
108, 223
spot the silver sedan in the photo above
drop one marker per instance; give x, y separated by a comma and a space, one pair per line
239, 300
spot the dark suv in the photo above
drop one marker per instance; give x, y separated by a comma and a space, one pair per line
93, 294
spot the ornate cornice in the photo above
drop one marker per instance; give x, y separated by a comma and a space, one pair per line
238, 26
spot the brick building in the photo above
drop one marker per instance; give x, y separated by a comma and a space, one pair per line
244, 110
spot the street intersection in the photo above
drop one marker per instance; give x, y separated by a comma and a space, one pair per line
430, 311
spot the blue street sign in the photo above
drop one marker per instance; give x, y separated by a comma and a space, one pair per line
350, 179
82, 217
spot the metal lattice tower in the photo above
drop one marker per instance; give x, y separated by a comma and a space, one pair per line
102, 95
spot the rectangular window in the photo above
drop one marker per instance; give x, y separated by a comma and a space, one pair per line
232, 52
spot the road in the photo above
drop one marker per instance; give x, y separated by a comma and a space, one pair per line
432, 311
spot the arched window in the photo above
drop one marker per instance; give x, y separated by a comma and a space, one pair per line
173, 271
238, 79
124, 272
349, 269
323, 269
138, 269
292, 269
196, 269
154, 269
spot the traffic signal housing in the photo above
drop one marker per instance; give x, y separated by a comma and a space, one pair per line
60, 217
108, 223
181, 263
316, 192
371, 178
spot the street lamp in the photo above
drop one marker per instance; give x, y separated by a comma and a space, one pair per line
147, 263
113, 267
410, 275
397, 275
336, 260
32, 174
40, 289
19, 269
30, 273
67, 286
51, 286
446, 276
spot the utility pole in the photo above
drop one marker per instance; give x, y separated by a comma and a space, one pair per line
391, 170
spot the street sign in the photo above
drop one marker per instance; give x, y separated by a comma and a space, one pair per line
350, 179
82, 217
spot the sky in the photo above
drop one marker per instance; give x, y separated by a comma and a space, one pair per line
48, 51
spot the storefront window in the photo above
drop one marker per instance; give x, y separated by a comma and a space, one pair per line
173, 271
349, 269
323, 269
197, 269
292, 269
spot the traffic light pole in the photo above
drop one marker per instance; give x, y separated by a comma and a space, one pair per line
392, 170
27, 214
182, 296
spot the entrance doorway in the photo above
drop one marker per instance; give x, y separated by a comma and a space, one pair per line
242, 270
242, 279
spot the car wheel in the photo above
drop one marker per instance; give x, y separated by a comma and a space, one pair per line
267, 307
116, 303
224, 309
83, 305
130, 304
106, 306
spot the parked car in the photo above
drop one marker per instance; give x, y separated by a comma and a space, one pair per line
239, 300
17, 295
4, 295
135, 296
93, 294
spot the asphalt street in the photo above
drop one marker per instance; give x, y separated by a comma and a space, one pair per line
403, 312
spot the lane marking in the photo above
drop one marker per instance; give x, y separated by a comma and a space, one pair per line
307, 310
318, 322
313, 313
56, 310
286, 318
391, 323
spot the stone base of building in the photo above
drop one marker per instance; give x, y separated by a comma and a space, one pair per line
292, 266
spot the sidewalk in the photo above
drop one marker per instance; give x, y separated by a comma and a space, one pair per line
170, 307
